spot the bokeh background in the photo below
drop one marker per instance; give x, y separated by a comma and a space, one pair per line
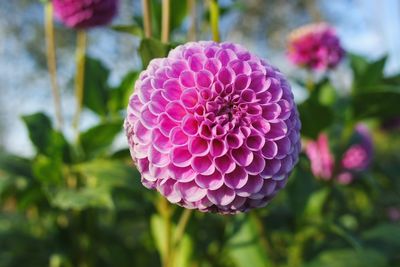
116, 222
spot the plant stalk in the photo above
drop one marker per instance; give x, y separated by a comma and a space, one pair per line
147, 18
165, 20
214, 19
79, 76
180, 229
51, 62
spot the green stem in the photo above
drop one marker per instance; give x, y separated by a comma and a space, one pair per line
165, 21
180, 229
147, 18
79, 76
51, 61
192, 10
214, 19
262, 236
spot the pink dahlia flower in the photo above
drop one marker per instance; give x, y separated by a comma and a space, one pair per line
213, 127
315, 46
355, 159
83, 14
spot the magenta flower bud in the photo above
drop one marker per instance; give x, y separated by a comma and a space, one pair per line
83, 14
315, 46
322, 160
359, 155
213, 127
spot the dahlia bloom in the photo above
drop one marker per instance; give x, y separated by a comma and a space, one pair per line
355, 159
315, 46
213, 127
83, 14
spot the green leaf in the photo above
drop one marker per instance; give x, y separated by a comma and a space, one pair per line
95, 86
48, 170
15, 165
384, 237
314, 117
316, 203
119, 97
184, 249
367, 75
300, 188
46, 140
348, 257
179, 8
151, 48
159, 233
376, 104
79, 199
110, 173
244, 245
132, 29
40, 131
98, 139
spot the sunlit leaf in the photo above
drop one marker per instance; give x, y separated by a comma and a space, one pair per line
349, 257
244, 245
95, 86
78, 199
133, 29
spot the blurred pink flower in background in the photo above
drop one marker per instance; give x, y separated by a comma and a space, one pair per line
322, 161
356, 158
393, 214
315, 46
213, 127
83, 14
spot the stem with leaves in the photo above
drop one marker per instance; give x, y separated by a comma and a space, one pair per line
79, 76
214, 19
147, 18
51, 61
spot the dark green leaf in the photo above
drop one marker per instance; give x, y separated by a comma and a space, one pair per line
95, 86
376, 104
367, 75
300, 188
46, 140
151, 48
179, 8
314, 117
384, 237
99, 138
40, 131
15, 165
